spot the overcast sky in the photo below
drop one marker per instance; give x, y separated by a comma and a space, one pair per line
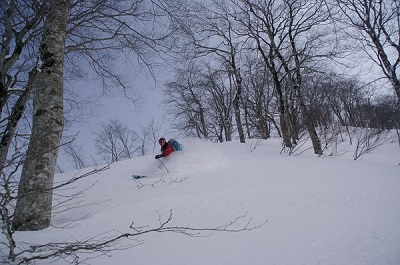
116, 106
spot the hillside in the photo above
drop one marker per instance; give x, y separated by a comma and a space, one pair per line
329, 210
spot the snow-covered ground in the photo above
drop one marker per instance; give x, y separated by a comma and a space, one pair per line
312, 210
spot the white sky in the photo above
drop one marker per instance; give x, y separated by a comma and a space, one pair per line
116, 106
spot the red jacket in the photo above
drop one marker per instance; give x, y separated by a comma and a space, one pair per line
167, 149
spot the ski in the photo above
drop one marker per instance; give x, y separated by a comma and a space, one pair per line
138, 176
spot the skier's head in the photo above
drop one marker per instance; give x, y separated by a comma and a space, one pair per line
161, 141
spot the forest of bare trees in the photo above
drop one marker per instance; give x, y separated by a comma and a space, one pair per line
264, 68
245, 69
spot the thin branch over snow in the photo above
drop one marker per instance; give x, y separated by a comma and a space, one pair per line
104, 245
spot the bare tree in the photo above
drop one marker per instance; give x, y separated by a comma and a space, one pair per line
148, 137
75, 152
254, 28
186, 99
21, 26
220, 101
101, 30
210, 30
368, 139
259, 99
8, 186
200, 101
288, 34
115, 141
377, 25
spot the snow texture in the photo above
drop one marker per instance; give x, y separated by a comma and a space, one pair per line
319, 210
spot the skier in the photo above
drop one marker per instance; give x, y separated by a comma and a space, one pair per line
168, 147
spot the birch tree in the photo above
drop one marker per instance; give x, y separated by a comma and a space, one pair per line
259, 99
377, 25
221, 95
210, 29
288, 35
115, 141
199, 100
186, 99
33, 209
21, 28
259, 27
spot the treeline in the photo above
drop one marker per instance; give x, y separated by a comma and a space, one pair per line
254, 69
200, 103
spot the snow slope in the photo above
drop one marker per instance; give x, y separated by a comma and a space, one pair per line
329, 210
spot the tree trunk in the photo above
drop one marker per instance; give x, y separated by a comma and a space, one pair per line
296, 85
34, 202
236, 107
227, 130
203, 123
236, 100
282, 109
285, 130
16, 114
309, 124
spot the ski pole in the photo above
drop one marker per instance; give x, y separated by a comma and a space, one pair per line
163, 165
